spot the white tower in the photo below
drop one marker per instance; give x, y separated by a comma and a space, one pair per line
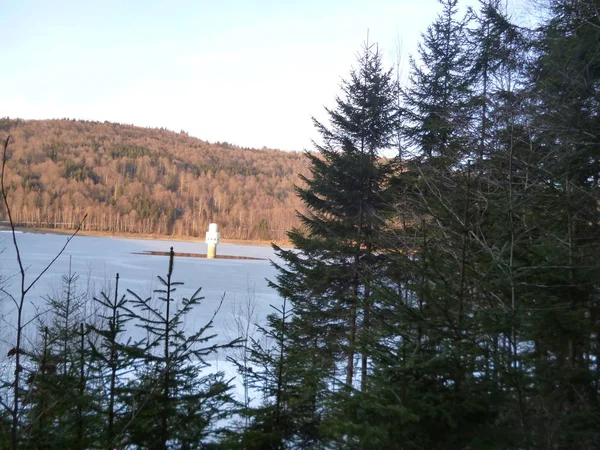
213, 237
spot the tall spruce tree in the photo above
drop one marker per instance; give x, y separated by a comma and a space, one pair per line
502, 214
495, 70
327, 279
437, 102
492, 328
563, 270
430, 386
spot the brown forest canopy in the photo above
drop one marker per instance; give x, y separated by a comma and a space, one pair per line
139, 180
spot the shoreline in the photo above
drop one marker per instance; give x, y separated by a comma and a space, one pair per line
147, 237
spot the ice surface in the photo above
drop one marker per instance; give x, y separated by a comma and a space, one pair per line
100, 258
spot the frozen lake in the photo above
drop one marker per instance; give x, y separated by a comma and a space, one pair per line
98, 259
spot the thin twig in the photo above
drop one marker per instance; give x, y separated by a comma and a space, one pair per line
57, 255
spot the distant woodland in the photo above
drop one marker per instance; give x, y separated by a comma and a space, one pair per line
152, 181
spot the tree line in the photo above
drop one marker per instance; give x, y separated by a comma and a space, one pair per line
447, 296
443, 290
146, 181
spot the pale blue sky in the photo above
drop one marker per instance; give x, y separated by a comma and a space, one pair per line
247, 72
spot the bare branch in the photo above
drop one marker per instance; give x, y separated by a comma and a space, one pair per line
57, 255
9, 214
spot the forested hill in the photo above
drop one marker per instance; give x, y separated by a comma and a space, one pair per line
139, 180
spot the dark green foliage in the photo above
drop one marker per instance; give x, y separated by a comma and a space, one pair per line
491, 324
346, 198
267, 373
112, 358
175, 404
130, 151
86, 384
327, 279
437, 104
77, 170
477, 293
564, 264
58, 396
498, 52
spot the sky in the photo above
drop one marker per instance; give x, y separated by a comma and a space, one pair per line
251, 73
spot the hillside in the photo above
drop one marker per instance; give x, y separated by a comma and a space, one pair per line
146, 181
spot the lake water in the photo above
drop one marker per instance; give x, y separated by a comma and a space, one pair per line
98, 259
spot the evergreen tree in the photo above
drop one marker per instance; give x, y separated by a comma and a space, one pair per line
431, 370
57, 397
269, 375
490, 327
437, 106
562, 274
497, 49
42, 394
112, 360
327, 279
174, 402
